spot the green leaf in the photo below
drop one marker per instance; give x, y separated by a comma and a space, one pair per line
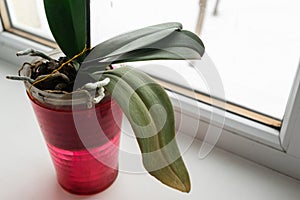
67, 21
177, 45
131, 41
180, 45
150, 113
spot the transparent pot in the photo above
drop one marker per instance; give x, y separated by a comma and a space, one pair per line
84, 153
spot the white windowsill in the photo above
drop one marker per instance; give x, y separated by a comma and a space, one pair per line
11, 44
27, 173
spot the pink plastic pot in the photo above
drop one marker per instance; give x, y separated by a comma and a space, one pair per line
85, 159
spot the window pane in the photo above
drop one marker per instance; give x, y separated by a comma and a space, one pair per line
29, 16
255, 46
112, 17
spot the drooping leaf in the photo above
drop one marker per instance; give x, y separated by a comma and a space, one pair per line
67, 21
151, 115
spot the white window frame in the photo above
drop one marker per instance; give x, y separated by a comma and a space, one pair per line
290, 135
279, 150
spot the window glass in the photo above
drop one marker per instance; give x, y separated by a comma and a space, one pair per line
255, 46
29, 16
112, 17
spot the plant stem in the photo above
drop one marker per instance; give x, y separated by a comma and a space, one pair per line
88, 24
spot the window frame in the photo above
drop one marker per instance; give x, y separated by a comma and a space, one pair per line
289, 138
8, 27
276, 149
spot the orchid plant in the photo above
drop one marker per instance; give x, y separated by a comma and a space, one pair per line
133, 90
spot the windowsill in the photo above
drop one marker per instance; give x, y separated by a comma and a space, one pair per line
27, 172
